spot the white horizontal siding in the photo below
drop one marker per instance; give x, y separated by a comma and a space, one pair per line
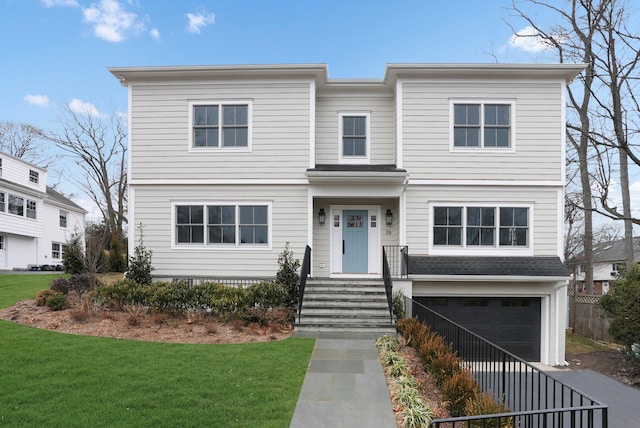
543, 201
538, 136
160, 131
381, 108
289, 224
17, 171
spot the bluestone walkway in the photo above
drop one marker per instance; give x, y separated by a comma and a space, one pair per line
623, 400
344, 385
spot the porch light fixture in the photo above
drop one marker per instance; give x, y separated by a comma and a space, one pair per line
389, 217
321, 216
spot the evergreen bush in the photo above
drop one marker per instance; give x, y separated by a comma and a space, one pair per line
140, 267
288, 276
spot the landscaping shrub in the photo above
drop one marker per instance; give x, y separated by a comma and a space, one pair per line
268, 294
230, 302
57, 301
140, 267
403, 324
79, 283
398, 304
445, 365
288, 276
457, 390
431, 347
73, 258
124, 291
43, 295
60, 285
483, 404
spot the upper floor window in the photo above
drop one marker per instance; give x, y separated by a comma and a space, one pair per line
63, 218
482, 125
3, 203
220, 125
1, 242
480, 226
354, 130
0, 167
223, 224
20, 206
34, 176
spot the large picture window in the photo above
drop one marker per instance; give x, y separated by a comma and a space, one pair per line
482, 125
480, 226
220, 125
226, 224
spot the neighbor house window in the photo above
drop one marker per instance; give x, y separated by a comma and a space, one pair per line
354, 137
3, 203
16, 205
480, 226
220, 125
226, 224
482, 125
34, 176
31, 209
1, 242
55, 250
0, 167
63, 218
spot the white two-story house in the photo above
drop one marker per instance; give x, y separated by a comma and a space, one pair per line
36, 222
460, 167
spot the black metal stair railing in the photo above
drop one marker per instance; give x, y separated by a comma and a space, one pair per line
536, 399
388, 284
305, 270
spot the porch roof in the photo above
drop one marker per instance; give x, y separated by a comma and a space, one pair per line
548, 267
350, 172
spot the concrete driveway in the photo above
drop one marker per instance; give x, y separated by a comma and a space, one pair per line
623, 400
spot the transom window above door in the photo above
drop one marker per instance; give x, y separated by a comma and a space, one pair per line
477, 125
221, 126
354, 139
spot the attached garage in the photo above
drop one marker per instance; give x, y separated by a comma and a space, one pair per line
513, 323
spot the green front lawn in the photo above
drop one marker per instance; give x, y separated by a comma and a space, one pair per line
56, 379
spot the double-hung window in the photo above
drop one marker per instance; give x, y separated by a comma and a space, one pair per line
3, 203
482, 125
222, 225
34, 176
220, 125
63, 218
32, 209
480, 227
354, 130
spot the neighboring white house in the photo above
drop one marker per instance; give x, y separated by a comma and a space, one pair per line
36, 222
608, 259
460, 166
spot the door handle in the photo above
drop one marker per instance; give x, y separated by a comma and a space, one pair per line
343, 246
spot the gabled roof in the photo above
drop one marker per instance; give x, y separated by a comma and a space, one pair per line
613, 251
60, 199
459, 266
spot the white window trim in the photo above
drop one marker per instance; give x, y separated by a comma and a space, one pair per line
66, 217
222, 247
360, 160
34, 176
496, 249
482, 102
248, 148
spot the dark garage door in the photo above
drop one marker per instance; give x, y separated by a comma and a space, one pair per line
512, 323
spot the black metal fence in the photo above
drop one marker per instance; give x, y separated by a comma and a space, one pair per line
535, 398
398, 259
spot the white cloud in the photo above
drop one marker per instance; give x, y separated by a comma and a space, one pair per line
199, 20
111, 21
528, 40
155, 34
52, 3
81, 107
38, 100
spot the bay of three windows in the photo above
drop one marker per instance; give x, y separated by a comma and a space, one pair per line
222, 224
481, 226
17, 205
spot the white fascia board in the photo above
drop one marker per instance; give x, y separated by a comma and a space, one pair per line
214, 181
477, 183
487, 278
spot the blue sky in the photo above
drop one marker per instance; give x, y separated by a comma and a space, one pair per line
55, 53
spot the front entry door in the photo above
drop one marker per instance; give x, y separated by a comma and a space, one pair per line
355, 243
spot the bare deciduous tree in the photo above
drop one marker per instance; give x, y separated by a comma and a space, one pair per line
98, 146
23, 141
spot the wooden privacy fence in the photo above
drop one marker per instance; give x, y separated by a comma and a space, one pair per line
587, 319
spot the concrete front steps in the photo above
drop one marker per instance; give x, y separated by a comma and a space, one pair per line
331, 305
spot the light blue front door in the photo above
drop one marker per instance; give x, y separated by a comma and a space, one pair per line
355, 242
